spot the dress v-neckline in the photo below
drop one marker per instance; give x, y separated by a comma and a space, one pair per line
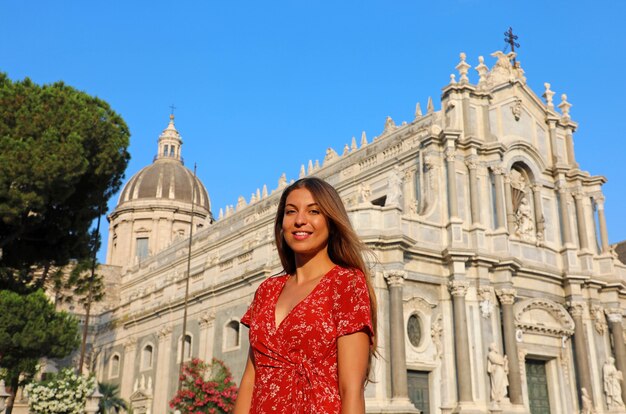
304, 299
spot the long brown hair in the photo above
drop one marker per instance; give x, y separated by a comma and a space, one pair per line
345, 248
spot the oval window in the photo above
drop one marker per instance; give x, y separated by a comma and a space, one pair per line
414, 330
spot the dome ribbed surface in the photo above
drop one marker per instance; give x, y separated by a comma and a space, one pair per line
165, 180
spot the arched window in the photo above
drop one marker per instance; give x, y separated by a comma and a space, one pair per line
231, 335
114, 366
146, 357
188, 350
165, 151
172, 151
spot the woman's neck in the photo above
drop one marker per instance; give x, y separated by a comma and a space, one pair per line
309, 269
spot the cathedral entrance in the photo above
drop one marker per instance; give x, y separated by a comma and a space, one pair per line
537, 381
418, 390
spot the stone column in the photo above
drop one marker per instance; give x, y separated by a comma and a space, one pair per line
564, 212
617, 333
499, 184
604, 237
399, 382
474, 196
207, 328
507, 299
126, 389
458, 289
161, 382
569, 144
540, 222
576, 309
452, 193
581, 221
508, 198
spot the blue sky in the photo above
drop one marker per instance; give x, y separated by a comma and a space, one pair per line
262, 87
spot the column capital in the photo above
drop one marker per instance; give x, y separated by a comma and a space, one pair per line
497, 169
576, 308
599, 200
394, 278
450, 154
206, 319
506, 295
458, 287
130, 344
471, 164
536, 187
164, 333
614, 315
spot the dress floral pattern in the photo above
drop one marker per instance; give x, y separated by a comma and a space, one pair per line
296, 362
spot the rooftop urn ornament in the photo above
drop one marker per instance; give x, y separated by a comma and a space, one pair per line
363, 139
564, 106
452, 79
346, 150
548, 94
353, 146
482, 70
462, 67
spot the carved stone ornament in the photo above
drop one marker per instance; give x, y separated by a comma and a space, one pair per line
612, 384
564, 357
207, 319
458, 287
486, 301
436, 332
164, 332
394, 278
497, 170
543, 316
576, 308
599, 320
516, 108
450, 155
130, 344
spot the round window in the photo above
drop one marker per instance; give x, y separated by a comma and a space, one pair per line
414, 330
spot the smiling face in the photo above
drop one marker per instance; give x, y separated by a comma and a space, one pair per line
305, 228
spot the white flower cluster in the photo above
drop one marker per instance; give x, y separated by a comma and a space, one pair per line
64, 394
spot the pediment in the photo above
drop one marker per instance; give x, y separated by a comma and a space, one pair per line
543, 316
140, 396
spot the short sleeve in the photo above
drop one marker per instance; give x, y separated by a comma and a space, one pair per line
352, 304
246, 319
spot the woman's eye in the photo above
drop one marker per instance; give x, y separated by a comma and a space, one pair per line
314, 212
290, 211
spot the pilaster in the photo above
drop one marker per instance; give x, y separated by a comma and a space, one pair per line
507, 299
583, 369
619, 349
161, 380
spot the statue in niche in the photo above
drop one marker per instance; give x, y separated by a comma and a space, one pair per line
498, 369
525, 227
612, 384
395, 188
587, 407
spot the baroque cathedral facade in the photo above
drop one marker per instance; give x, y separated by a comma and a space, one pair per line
498, 291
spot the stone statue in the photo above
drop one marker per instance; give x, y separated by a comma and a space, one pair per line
498, 369
587, 407
395, 188
524, 220
612, 384
364, 193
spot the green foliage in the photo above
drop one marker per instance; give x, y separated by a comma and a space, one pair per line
207, 388
30, 329
110, 402
62, 155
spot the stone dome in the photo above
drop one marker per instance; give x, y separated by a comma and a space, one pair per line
166, 179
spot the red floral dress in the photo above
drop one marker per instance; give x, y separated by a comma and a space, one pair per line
296, 362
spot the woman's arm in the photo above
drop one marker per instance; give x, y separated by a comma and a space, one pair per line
244, 396
353, 357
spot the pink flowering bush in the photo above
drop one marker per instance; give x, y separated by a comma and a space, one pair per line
206, 389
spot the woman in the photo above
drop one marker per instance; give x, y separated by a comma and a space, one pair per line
312, 328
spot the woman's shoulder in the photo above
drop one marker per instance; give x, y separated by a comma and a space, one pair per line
341, 275
272, 281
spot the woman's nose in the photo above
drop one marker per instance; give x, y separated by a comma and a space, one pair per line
300, 219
